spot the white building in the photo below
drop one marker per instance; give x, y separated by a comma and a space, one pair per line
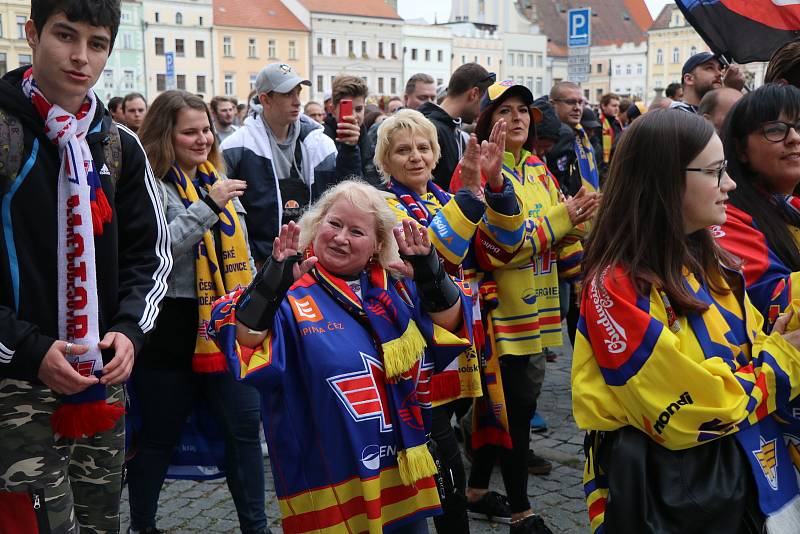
357, 37
427, 48
629, 69
124, 71
477, 43
182, 27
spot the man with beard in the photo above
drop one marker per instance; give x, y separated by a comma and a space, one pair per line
223, 109
702, 73
461, 106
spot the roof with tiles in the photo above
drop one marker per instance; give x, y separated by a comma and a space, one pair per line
613, 21
663, 19
363, 8
266, 14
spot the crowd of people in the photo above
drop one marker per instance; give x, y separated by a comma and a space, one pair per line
373, 285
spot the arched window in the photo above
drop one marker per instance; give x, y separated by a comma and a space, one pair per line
692, 51
178, 18
659, 57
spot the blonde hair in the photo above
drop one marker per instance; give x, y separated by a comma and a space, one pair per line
365, 198
159, 125
411, 121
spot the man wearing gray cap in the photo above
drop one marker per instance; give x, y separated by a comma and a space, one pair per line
285, 158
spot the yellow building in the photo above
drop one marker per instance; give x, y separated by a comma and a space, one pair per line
250, 34
671, 41
14, 49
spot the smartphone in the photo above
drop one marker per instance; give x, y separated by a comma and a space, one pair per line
345, 108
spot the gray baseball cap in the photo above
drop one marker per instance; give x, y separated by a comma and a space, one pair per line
278, 77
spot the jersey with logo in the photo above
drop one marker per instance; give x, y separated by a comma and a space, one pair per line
326, 414
528, 318
452, 233
770, 283
681, 379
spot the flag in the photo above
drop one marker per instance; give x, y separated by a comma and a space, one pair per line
743, 30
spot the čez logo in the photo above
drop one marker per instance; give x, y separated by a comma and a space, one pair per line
372, 454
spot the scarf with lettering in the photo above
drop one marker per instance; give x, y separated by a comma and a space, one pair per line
215, 276
590, 176
608, 138
413, 202
82, 211
402, 347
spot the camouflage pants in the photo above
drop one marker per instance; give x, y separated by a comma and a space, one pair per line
80, 479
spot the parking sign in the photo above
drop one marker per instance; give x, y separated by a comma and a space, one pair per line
170, 58
579, 23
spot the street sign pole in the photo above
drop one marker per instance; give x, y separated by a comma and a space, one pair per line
579, 39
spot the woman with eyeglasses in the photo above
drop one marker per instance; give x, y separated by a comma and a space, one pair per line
762, 147
673, 378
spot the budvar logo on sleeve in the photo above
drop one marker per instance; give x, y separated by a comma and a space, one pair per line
305, 309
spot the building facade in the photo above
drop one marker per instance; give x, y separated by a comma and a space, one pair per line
620, 69
184, 28
125, 72
358, 37
670, 42
427, 48
477, 43
248, 36
14, 49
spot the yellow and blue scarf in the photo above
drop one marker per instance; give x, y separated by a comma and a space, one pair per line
215, 278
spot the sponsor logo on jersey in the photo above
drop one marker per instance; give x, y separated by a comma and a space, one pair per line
104, 170
670, 410
615, 339
372, 454
363, 393
305, 309
768, 461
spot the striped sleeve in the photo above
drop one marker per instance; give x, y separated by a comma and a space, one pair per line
770, 283
145, 260
625, 355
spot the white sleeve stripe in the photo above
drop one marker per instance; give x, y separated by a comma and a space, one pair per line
159, 289
5, 351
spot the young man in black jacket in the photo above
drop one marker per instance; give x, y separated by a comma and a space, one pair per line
461, 106
84, 259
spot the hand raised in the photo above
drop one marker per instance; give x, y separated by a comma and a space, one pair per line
492, 155
286, 245
412, 240
471, 167
224, 190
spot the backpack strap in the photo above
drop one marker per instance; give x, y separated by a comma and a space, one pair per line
112, 152
12, 145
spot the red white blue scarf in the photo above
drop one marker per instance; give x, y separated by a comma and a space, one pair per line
414, 203
82, 211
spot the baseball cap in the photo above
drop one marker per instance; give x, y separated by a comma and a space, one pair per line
278, 77
499, 91
696, 60
589, 119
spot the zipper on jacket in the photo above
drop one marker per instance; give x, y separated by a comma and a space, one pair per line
39, 509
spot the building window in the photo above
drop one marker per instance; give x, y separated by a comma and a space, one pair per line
200, 22
158, 19
253, 81
351, 48
333, 47
251, 47
380, 50
394, 52
25, 59
599, 68
201, 84
128, 79
538, 87
228, 85
319, 46
178, 18
380, 84
659, 57
200, 48
161, 82
394, 86
3, 64
639, 69
628, 69
529, 83
127, 40
292, 50
21, 27
364, 49
414, 54
227, 48
272, 49
180, 82
529, 58
108, 79
427, 54
159, 46
320, 83
510, 59
179, 50
618, 70
692, 51
440, 56
676, 55
520, 60
539, 60
125, 16
332, 78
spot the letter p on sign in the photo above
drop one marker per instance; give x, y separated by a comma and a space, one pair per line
579, 27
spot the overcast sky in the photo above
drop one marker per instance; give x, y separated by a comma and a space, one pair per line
411, 9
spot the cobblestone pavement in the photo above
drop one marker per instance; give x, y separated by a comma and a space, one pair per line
193, 507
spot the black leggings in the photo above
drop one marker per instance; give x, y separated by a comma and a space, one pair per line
521, 396
454, 519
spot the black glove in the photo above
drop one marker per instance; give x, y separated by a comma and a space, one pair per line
258, 304
437, 291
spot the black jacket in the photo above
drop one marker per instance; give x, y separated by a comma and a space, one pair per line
365, 146
451, 142
563, 162
132, 255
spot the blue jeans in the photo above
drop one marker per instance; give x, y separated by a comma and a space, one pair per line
166, 397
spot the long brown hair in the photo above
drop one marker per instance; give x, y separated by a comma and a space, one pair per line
483, 127
159, 124
639, 224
